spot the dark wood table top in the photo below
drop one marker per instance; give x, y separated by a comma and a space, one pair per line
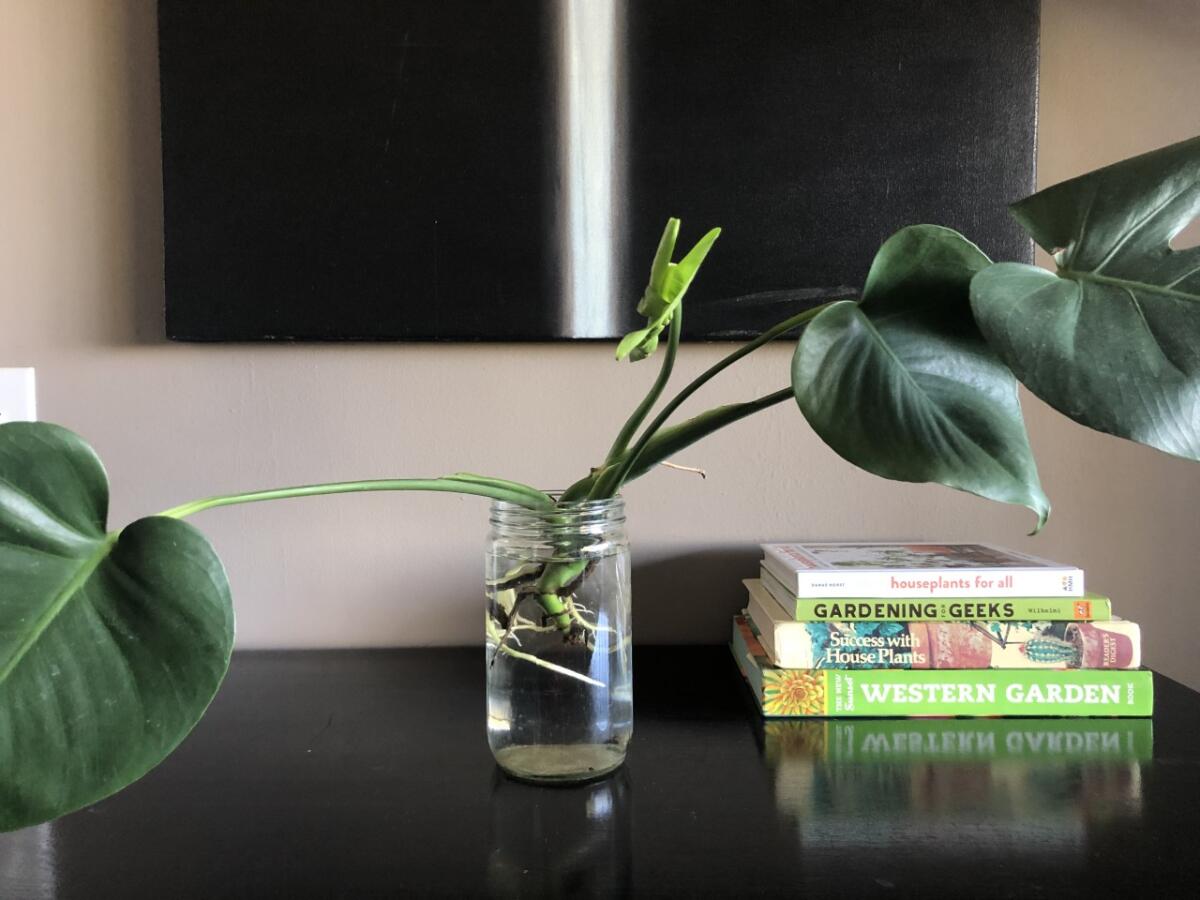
367, 773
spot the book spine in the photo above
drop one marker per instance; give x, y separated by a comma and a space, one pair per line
1088, 608
925, 584
958, 609
749, 655
906, 692
958, 645
980, 644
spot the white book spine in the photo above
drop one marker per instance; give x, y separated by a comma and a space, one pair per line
787, 642
777, 590
934, 583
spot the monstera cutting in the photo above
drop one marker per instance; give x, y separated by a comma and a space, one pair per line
115, 638
1110, 339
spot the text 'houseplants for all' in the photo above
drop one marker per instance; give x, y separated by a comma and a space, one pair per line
113, 642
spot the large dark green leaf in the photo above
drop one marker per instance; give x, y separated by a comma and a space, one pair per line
111, 647
1113, 338
905, 387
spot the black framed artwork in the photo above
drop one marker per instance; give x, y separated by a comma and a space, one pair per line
474, 170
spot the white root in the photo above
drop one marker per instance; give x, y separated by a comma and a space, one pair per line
576, 610
679, 468
501, 638
561, 670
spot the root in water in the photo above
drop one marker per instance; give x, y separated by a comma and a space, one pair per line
494, 633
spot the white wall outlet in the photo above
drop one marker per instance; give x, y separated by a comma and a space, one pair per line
18, 396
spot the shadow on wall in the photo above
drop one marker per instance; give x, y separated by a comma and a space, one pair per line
137, 226
690, 597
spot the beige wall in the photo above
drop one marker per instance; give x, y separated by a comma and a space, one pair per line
81, 298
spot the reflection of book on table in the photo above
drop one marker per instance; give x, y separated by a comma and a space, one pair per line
1003, 786
958, 740
1114, 644
836, 570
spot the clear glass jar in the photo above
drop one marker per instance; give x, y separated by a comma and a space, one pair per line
559, 647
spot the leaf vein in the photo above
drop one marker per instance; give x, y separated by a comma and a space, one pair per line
1139, 225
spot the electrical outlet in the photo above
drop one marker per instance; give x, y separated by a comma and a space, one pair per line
18, 396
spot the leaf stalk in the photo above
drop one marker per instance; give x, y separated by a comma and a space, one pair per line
616, 474
496, 489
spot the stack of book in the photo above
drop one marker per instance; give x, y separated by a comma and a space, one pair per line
872, 629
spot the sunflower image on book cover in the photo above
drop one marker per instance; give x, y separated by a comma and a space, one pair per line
794, 692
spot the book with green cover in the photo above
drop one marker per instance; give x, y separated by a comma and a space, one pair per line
986, 644
938, 692
1091, 607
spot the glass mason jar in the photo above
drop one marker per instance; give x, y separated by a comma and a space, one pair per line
559, 647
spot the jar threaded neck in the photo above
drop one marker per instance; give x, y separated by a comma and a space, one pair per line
588, 517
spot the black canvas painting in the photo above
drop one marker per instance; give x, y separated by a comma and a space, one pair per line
472, 170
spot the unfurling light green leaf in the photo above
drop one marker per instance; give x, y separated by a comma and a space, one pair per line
681, 274
652, 303
111, 645
905, 387
1112, 339
645, 348
668, 283
632, 344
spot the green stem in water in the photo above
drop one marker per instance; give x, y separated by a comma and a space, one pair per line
507, 491
621, 444
609, 483
550, 587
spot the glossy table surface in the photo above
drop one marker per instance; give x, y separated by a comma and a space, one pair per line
366, 773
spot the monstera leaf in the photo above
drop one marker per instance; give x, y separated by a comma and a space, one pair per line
111, 645
904, 385
664, 292
1113, 338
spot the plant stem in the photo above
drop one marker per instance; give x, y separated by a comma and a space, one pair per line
670, 441
621, 444
510, 492
557, 580
609, 484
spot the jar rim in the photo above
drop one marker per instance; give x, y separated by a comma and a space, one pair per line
585, 505
586, 514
